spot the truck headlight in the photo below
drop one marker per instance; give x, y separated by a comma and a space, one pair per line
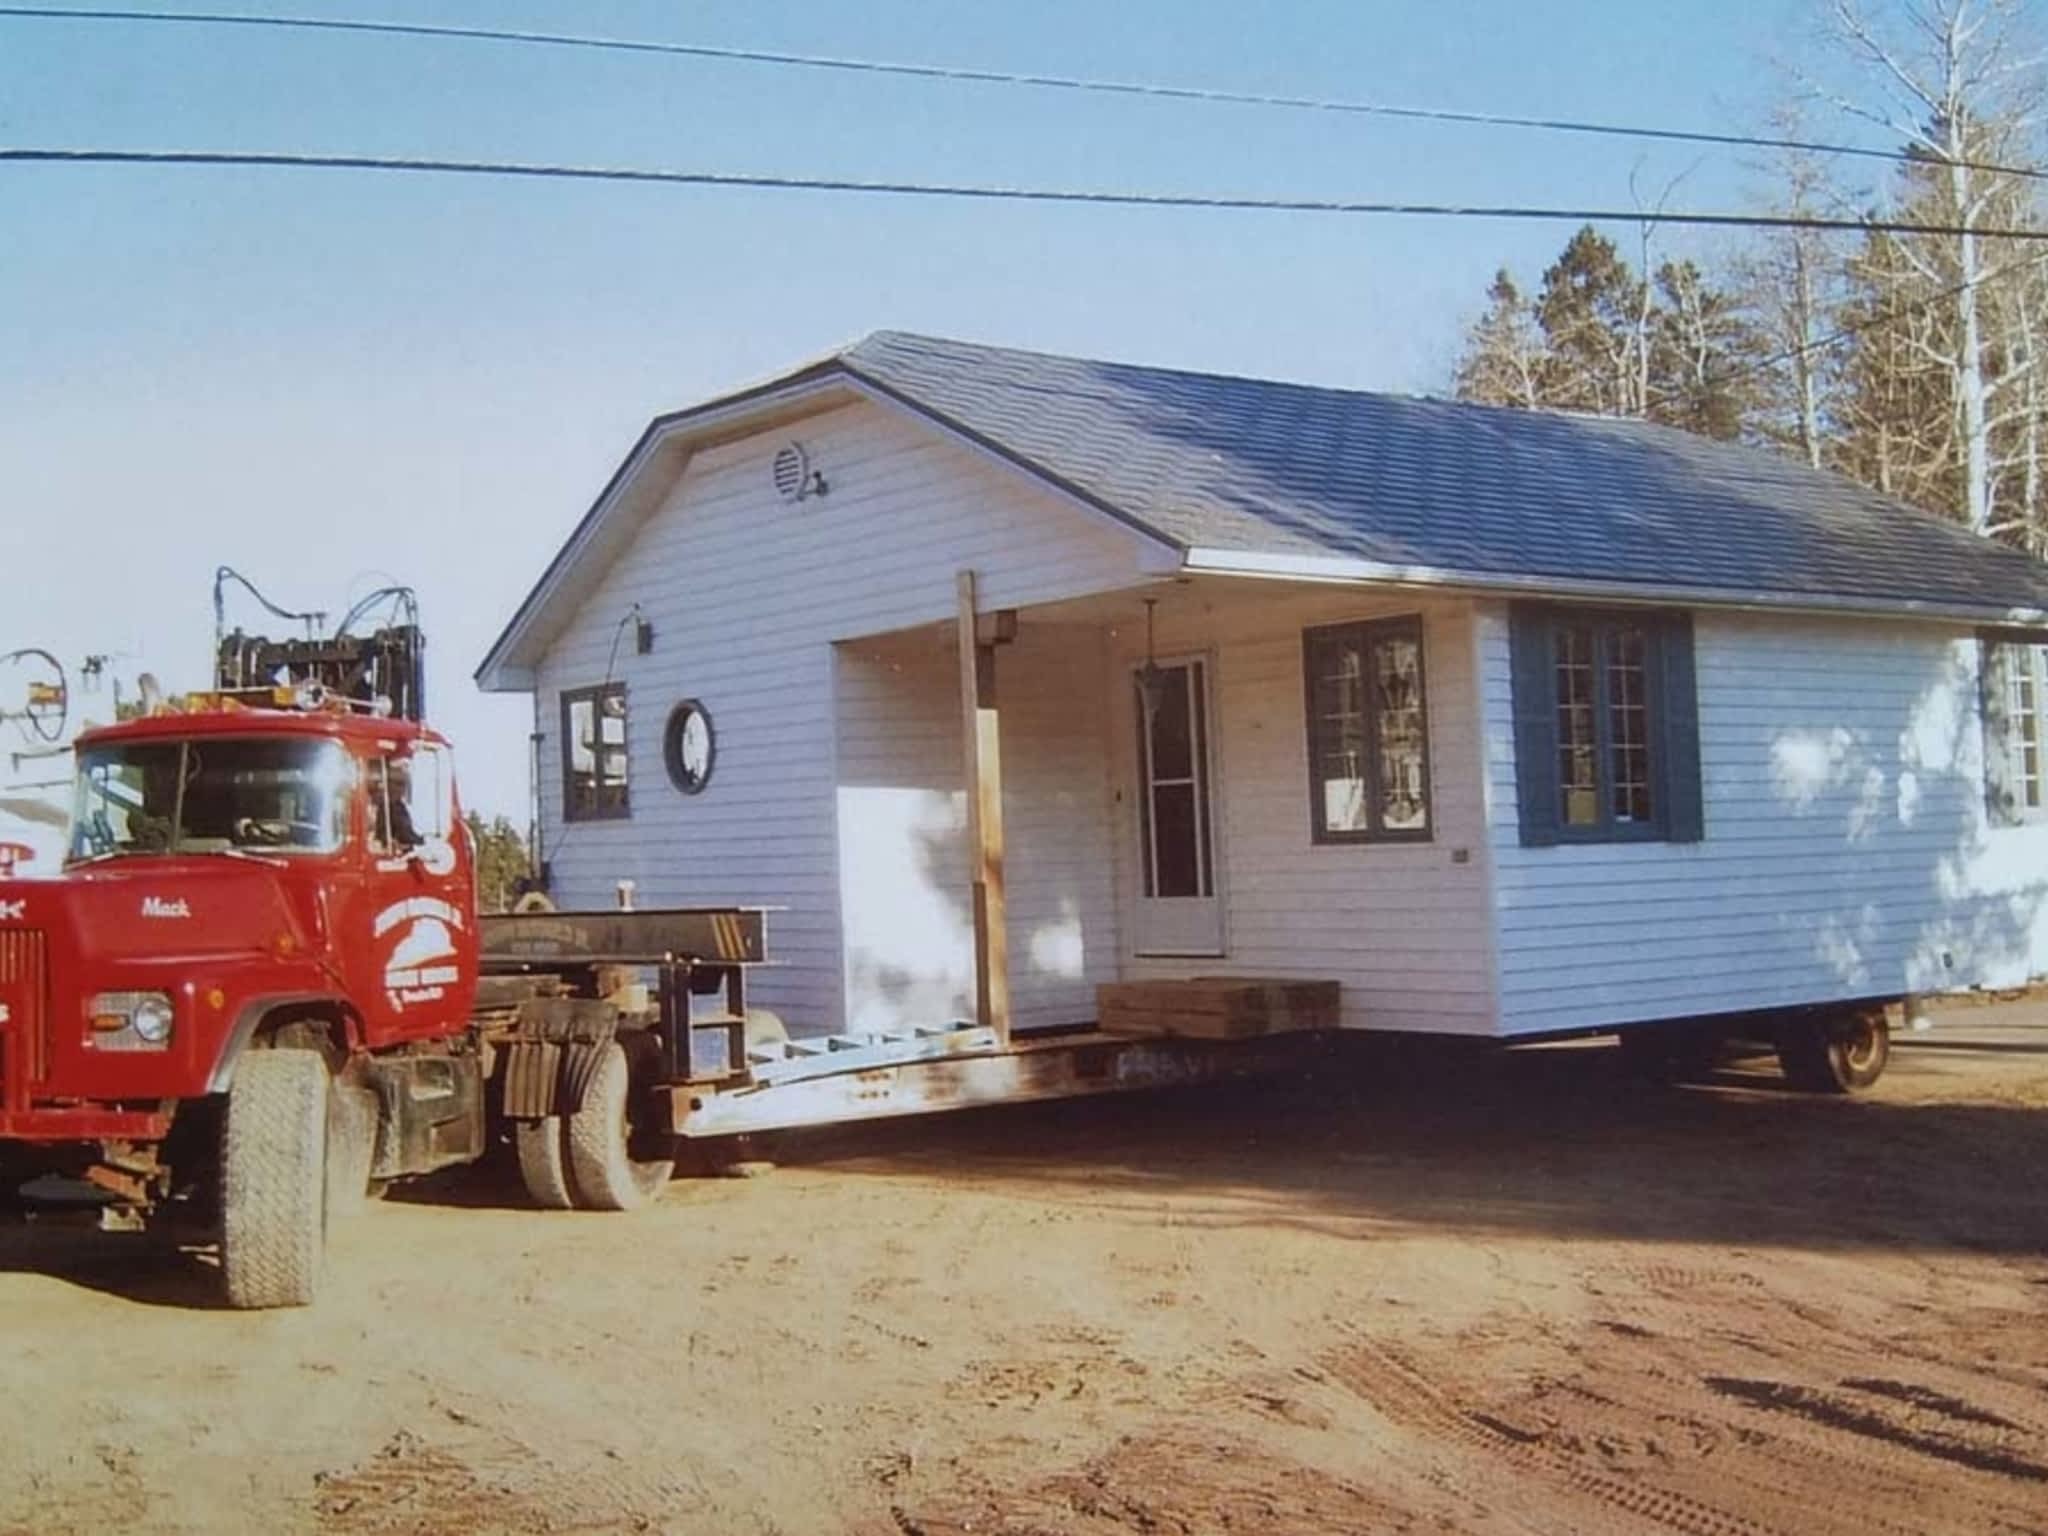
132, 1021
152, 1018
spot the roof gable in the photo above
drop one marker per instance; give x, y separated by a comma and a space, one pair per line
1262, 475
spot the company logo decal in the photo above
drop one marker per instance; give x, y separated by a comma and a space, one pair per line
420, 967
13, 911
156, 906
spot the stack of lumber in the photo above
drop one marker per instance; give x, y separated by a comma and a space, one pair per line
1216, 1007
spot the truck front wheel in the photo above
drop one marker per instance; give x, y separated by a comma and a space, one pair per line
273, 1173
1835, 1052
609, 1167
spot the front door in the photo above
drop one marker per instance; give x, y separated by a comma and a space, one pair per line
1178, 910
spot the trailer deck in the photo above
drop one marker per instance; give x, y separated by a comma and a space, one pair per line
847, 1078
719, 1082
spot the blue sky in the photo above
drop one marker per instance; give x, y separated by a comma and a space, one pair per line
318, 377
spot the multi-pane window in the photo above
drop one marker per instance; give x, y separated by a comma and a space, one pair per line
594, 753
2016, 694
1368, 732
2025, 743
1605, 770
1606, 725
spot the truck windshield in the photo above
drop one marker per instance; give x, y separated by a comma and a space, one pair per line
263, 794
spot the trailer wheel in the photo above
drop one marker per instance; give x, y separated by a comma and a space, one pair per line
273, 1172
544, 1163
1836, 1052
604, 1170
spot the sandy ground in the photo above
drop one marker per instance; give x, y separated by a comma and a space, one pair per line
1510, 1294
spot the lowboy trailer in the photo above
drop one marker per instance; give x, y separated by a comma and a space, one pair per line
559, 988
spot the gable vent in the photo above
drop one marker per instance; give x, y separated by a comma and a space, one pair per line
794, 477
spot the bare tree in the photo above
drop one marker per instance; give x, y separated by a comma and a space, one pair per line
1503, 357
1793, 279
1949, 83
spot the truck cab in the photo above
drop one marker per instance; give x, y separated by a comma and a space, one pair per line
252, 876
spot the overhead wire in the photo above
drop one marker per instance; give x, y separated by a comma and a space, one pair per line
968, 74
986, 192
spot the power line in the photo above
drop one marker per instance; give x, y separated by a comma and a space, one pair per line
970, 75
983, 192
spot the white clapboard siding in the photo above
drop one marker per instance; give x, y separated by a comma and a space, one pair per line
1846, 850
747, 594
1402, 926
903, 865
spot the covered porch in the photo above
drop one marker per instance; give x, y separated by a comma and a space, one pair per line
1269, 780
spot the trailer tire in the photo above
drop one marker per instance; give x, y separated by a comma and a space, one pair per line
273, 1172
603, 1170
543, 1163
352, 1116
1842, 1052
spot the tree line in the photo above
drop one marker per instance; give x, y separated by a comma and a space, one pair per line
1911, 362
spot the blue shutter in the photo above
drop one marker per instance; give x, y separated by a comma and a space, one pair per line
1684, 804
1534, 683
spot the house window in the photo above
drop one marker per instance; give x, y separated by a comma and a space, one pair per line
2015, 699
1368, 732
1606, 726
594, 753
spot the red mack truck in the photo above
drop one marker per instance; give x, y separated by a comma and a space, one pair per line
259, 990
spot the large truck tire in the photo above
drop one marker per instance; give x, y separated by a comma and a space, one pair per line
273, 1172
604, 1171
352, 1116
1841, 1052
544, 1162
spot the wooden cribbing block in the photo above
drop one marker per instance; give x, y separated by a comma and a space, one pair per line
1216, 1007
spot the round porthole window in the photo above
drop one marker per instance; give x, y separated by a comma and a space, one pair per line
689, 746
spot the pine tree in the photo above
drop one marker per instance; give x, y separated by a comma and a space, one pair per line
1704, 347
1590, 309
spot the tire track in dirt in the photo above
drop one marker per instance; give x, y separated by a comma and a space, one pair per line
1799, 1445
1840, 1413
1405, 1396
1177, 1482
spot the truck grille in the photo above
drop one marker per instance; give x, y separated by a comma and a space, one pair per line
25, 991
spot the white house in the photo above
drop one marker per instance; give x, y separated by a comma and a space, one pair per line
1510, 722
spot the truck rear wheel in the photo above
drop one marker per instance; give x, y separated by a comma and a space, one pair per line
608, 1170
352, 1116
1835, 1052
273, 1172
544, 1162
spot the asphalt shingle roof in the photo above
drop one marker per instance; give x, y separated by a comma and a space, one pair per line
1271, 468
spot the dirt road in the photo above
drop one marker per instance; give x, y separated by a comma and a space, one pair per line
1517, 1294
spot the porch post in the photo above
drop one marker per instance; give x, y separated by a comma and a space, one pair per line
981, 745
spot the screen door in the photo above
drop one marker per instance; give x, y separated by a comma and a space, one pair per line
1178, 912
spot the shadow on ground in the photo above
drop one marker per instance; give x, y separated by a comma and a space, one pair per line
1557, 1141
1384, 1136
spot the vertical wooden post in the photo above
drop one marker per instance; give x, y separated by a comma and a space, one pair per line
981, 743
